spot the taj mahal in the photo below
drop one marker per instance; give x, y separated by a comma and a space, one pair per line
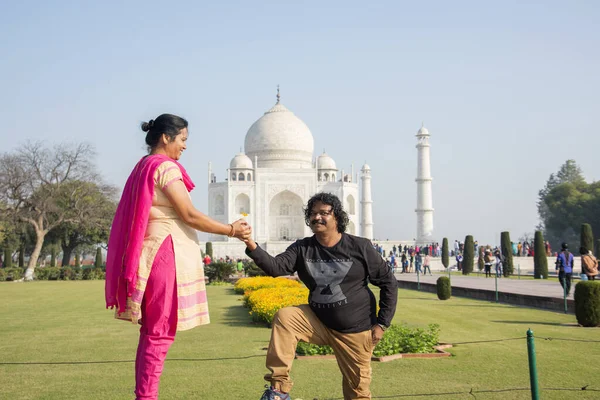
271, 181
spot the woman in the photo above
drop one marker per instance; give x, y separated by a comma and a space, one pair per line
154, 272
589, 263
426, 262
488, 260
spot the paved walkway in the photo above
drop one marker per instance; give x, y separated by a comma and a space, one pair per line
534, 287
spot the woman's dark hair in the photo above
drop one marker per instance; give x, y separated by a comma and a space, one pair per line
169, 124
583, 251
331, 200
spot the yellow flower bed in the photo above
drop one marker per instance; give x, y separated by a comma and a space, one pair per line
259, 282
265, 302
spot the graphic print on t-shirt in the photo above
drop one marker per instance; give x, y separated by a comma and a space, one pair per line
328, 274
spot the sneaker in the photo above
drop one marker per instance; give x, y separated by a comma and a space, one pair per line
272, 394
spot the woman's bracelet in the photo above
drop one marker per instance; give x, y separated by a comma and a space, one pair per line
232, 231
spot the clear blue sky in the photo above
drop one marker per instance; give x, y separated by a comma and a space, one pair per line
509, 90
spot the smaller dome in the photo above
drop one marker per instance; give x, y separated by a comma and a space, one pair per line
366, 167
241, 161
325, 162
423, 131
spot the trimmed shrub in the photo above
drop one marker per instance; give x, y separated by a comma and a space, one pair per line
70, 273
209, 249
396, 339
311, 349
91, 273
98, 261
444, 288
251, 270
246, 285
587, 303
264, 303
540, 260
11, 274
48, 273
468, 255
506, 246
480, 260
587, 239
218, 271
445, 257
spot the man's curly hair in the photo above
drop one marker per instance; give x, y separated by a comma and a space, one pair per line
331, 200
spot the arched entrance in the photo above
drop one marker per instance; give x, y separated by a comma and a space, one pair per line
286, 217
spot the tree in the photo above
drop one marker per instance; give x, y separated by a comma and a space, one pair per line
468, 255
98, 261
506, 246
587, 237
445, 257
540, 260
37, 186
209, 249
92, 225
558, 219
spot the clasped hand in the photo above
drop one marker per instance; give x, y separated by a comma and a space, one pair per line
243, 230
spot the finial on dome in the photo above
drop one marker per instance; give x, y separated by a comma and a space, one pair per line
324, 150
241, 149
278, 96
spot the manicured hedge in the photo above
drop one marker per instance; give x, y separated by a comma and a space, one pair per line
587, 303
444, 289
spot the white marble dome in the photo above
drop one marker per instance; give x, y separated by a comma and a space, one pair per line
423, 131
241, 161
324, 161
280, 140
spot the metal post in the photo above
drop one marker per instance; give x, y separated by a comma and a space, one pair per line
564, 290
496, 279
533, 380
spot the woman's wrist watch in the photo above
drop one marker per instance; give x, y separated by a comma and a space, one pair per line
383, 327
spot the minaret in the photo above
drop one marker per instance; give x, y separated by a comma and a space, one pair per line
424, 196
366, 224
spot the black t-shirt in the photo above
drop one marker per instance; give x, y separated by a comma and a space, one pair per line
337, 278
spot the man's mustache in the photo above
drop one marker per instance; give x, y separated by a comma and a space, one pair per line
315, 222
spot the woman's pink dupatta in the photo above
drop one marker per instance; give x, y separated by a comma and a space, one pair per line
129, 228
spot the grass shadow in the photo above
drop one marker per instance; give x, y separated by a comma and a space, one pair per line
238, 316
567, 324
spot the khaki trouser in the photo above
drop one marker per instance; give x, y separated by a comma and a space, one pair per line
352, 350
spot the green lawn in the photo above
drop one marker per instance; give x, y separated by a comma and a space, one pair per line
62, 322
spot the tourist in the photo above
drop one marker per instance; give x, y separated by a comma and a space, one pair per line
488, 260
426, 264
519, 249
499, 261
459, 260
564, 265
418, 262
589, 264
404, 263
206, 260
337, 268
153, 251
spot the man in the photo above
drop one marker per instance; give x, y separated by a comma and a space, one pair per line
564, 265
336, 268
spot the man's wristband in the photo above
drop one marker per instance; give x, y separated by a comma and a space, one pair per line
383, 327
